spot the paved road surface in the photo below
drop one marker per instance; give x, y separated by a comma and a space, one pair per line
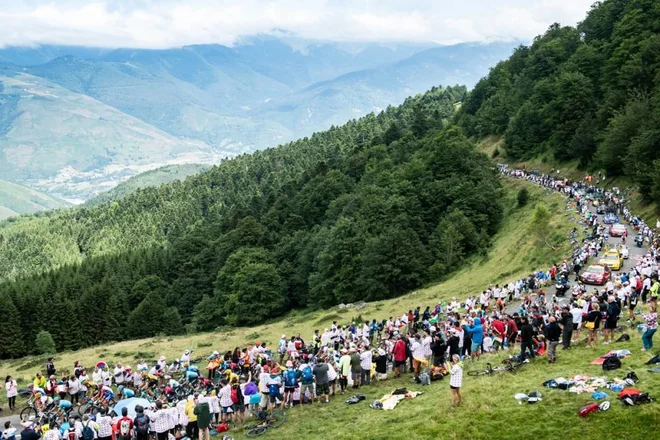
636, 254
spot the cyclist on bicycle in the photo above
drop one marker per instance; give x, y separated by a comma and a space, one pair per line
125, 393
63, 407
42, 401
104, 394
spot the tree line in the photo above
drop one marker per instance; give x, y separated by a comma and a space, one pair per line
365, 211
589, 93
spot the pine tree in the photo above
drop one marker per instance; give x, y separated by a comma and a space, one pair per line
11, 336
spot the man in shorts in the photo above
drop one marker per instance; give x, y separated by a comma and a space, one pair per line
274, 389
291, 376
306, 380
321, 378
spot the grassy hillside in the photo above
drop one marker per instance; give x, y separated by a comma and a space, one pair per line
148, 179
489, 409
17, 199
513, 254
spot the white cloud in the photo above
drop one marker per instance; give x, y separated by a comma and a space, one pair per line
171, 23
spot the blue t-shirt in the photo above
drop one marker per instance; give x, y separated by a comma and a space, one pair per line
64, 404
290, 378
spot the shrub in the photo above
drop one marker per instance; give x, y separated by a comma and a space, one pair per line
45, 343
523, 197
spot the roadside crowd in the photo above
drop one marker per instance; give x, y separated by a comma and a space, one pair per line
429, 343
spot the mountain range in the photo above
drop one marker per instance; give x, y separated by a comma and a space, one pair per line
77, 121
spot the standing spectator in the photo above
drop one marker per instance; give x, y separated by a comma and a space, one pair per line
214, 406
456, 381
438, 348
12, 392
225, 400
203, 417
306, 380
526, 339
191, 428
512, 331
159, 421
344, 370
399, 355
593, 321
613, 311
552, 333
356, 369
104, 422
322, 382
74, 388
576, 312
365, 365
50, 367
124, 426
567, 323
275, 388
651, 326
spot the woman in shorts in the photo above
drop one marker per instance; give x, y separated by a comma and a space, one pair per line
456, 381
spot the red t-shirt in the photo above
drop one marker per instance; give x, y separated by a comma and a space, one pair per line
513, 328
399, 351
499, 327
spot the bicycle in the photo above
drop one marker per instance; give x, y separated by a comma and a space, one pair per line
30, 412
274, 420
509, 365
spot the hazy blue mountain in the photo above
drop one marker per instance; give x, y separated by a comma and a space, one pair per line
358, 93
29, 56
89, 118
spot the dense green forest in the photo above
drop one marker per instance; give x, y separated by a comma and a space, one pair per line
590, 93
364, 211
152, 178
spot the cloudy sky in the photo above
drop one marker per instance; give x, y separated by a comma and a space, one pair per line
171, 23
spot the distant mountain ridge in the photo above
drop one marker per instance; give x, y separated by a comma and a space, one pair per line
198, 104
16, 200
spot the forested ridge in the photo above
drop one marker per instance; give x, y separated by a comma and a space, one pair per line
589, 93
364, 211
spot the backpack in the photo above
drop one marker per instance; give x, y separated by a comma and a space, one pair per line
611, 363
71, 434
125, 428
624, 337
632, 376
307, 374
654, 360
87, 432
234, 394
290, 378
629, 392
142, 424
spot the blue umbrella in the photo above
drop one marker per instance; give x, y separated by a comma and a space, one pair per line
130, 404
